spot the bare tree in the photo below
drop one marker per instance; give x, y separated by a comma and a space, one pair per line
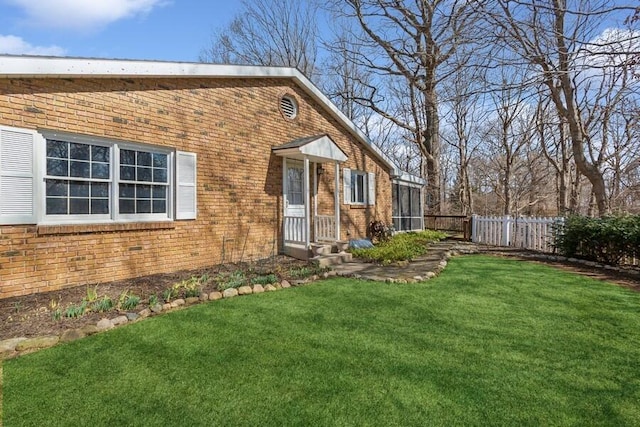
409, 44
463, 97
269, 32
558, 38
509, 134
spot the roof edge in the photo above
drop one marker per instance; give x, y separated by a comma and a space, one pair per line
26, 66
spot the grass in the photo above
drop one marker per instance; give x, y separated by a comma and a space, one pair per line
489, 342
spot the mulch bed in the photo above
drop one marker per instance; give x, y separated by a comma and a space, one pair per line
31, 315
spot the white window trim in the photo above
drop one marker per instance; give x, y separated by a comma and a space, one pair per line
114, 216
369, 190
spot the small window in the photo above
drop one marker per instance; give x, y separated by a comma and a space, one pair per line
289, 107
359, 187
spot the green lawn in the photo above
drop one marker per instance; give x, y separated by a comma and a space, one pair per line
489, 342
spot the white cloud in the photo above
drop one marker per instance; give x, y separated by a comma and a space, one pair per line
15, 45
613, 47
82, 14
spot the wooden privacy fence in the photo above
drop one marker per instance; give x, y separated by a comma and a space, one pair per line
457, 223
526, 233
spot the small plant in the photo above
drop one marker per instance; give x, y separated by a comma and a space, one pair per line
306, 271
92, 294
17, 306
122, 298
169, 294
130, 302
153, 300
234, 280
299, 273
75, 311
102, 305
264, 280
54, 306
191, 287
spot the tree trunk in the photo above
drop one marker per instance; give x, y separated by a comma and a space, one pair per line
431, 149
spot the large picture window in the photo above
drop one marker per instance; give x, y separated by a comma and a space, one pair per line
407, 207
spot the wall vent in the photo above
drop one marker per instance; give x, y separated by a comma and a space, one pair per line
288, 107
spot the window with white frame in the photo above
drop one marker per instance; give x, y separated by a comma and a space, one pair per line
89, 180
86, 179
359, 187
144, 182
77, 178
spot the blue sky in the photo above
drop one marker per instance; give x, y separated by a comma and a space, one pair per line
134, 29
171, 30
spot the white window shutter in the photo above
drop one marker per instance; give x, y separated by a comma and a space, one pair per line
371, 187
186, 190
346, 179
17, 181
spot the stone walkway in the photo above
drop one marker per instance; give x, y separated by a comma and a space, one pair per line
422, 268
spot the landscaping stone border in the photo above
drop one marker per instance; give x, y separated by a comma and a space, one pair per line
14, 347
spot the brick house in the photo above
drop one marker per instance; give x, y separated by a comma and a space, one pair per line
113, 169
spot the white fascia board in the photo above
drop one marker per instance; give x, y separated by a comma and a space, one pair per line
19, 66
405, 177
43, 66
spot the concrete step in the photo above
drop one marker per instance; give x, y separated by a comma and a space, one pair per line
332, 259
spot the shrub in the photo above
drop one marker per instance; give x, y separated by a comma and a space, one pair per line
401, 247
379, 231
608, 239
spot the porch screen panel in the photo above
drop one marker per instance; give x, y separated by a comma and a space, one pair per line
407, 207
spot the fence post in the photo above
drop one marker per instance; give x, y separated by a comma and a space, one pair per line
474, 229
506, 230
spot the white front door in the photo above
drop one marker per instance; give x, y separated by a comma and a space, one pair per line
294, 212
